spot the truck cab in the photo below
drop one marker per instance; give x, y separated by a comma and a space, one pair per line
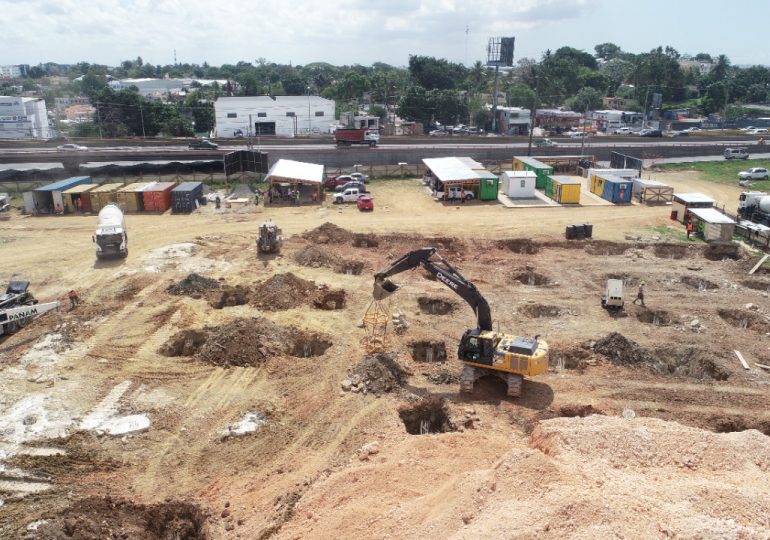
612, 299
347, 196
110, 237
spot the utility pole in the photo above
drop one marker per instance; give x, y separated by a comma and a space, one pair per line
533, 112
98, 121
494, 99
249, 145
141, 116
308, 110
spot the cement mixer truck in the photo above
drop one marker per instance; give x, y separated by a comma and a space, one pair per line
754, 206
110, 238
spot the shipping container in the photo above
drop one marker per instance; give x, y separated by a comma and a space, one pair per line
652, 191
157, 197
130, 199
78, 199
48, 199
184, 197
565, 190
104, 195
489, 186
548, 189
611, 188
518, 184
542, 170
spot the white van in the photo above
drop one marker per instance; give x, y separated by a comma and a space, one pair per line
736, 153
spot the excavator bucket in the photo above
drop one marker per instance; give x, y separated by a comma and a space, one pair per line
383, 289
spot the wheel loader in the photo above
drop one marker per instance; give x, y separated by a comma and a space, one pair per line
270, 239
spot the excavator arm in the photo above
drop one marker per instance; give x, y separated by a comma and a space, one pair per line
444, 272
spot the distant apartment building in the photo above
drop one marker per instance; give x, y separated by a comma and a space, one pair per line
701, 66
611, 119
619, 103
13, 72
285, 116
162, 88
62, 103
513, 120
23, 118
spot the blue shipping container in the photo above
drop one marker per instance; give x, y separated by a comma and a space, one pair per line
617, 190
185, 196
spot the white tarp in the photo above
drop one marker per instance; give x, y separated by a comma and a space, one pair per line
451, 169
710, 215
287, 170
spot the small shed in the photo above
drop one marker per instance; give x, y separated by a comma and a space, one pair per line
130, 198
712, 224
652, 192
538, 167
612, 188
78, 198
48, 199
294, 182
157, 197
104, 195
184, 197
489, 185
682, 203
518, 184
565, 190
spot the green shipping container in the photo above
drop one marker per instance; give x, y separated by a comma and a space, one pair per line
488, 187
542, 170
548, 187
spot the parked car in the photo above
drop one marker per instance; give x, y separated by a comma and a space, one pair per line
71, 147
360, 177
333, 182
755, 173
438, 133
544, 142
757, 131
203, 144
349, 195
365, 202
455, 194
691, 129
736, 153
623, 131
351, 185
651, 133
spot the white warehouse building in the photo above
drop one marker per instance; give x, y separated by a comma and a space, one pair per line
285, 116
23, 118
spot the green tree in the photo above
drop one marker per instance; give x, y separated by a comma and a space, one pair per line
520, 95
432, 73
607, 51
586, 99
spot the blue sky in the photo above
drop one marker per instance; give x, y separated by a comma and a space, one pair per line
365, 31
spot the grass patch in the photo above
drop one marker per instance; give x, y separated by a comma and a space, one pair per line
722, 172
668, 233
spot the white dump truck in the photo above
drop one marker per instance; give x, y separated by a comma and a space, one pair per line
110, 238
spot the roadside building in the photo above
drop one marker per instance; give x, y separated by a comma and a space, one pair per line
23, 118
284, 116
513, 120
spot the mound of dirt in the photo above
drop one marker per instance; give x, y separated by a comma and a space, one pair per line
365, 240
282, 291
184, 343
379, 374
97, 518
328, 233
193, 284
245, 342
622, 351
718, 251
315, 257
229, 297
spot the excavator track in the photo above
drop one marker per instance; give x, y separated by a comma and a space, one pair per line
467, 378
514, 384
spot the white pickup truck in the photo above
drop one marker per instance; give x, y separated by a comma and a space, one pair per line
455, 194
349, 195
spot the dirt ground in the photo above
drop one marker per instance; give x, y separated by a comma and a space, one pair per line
202, 392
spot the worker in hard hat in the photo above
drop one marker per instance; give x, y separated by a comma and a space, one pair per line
640, 293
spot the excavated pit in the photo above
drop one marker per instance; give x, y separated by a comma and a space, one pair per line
681, 362
655, 317
538, 311
747, 320
428, 351
97, 518
245, 342
426, 416
365, 240
229, 297
193, 285
605, 248
435, 306
532, 278
578, 411
756, 284
670, 251
569, 355
732, 424
699, 283
719, 251
351, 268
330, 299
520, 245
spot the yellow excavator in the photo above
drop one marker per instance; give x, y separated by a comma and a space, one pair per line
482, 350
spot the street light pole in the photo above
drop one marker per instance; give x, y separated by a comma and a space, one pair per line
308, 110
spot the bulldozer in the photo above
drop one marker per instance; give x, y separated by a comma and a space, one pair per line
18, 307
482, 350
270, 239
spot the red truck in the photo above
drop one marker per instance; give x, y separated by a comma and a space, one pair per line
351, 136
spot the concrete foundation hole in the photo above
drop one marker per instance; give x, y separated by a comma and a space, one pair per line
428, 351
309, 345
719, 251
756, 284
574, 410
699, 283
741, 318
426, 416
184, 343
520, 245
236, 296
655, 317
670, 251
435, 306
365, 240
732, 424
532, 278
537, 311
604, 248
330, 300
351, 268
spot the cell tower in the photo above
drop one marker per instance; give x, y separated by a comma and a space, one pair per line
499, 53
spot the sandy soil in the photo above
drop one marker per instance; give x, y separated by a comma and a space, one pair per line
666, 439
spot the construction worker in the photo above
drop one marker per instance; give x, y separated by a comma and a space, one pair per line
640, 293
74, 299
689, 228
